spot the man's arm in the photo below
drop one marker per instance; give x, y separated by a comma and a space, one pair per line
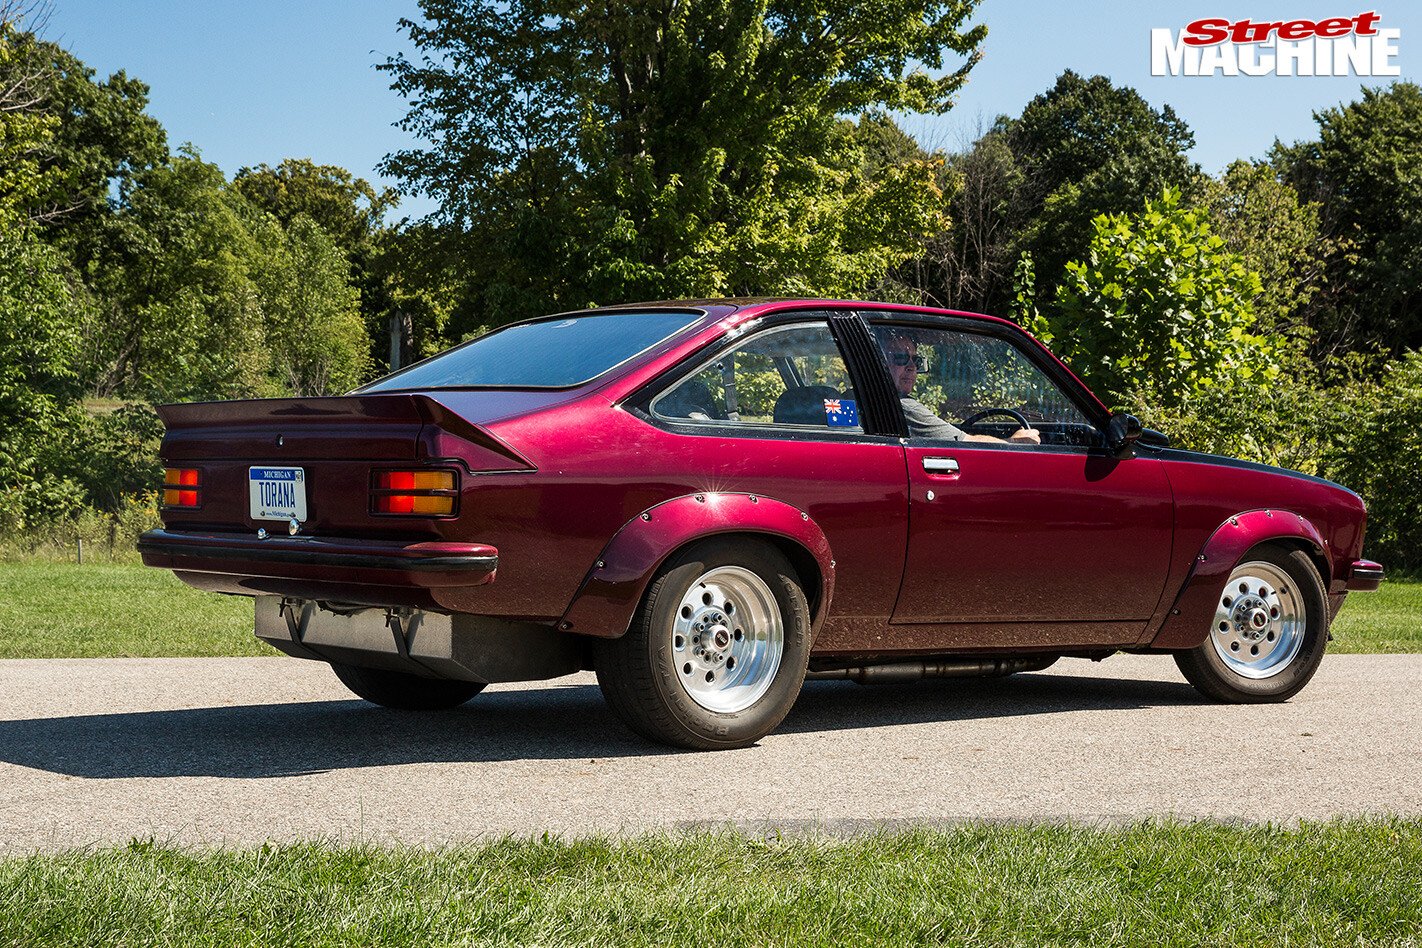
923, 423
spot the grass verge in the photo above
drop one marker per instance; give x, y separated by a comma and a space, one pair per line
1386, 620
56, 609
1339, 883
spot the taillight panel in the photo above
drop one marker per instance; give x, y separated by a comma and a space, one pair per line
182, 487
417, 492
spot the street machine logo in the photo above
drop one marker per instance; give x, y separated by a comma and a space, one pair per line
1331, 47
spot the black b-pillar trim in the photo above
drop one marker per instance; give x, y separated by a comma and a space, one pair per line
870, 372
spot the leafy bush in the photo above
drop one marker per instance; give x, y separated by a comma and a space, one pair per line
1377, 451
1288, 423
116, 454
95, 478
1160, 307
1355, 421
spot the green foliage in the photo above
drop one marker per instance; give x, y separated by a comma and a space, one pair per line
350, 211
176, 316
128, 271
1261, 218
100, 132
115, 455
24, 129
692, 149
201, 296
312, 327
1290, 422
1024, 292
1377, 451
1366, 170
347, 209
38, 382
1084, 148
969, 266
418, 272
1159, 306
1034, 183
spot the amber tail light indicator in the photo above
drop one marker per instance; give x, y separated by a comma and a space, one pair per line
421, 493
182, 487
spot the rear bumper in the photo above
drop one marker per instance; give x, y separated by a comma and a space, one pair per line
422, 565
1364, 575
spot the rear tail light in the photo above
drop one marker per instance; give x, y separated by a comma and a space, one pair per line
182, 487
419, 493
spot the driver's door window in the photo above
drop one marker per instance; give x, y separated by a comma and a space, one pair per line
954, 383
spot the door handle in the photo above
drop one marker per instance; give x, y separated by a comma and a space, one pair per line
940, 465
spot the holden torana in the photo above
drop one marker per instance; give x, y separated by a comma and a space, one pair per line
709, 502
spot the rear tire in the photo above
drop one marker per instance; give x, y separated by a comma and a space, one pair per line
405, 692
1269, 631
716, 654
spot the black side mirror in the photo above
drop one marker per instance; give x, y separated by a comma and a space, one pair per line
1121, 434
1156, 439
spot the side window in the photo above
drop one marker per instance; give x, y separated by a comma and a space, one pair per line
790, 377
954, 383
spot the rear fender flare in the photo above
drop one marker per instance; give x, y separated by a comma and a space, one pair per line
1188, 623
608, 597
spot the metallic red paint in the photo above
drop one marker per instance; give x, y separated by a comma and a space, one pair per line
615, 585
1364, 575
1029, 535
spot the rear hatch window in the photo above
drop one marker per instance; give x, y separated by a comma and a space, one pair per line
559, 352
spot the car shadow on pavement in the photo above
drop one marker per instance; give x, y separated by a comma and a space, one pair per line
556, 723
833, 705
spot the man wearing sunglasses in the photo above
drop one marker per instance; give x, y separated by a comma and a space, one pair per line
904, 366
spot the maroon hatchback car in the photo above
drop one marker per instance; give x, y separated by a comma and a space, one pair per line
710, 502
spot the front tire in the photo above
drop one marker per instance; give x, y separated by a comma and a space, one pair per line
404, 692
717, 652
1268, 634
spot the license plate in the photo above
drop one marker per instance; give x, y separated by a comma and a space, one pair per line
278, 493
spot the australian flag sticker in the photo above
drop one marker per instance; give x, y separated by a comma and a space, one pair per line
841, 413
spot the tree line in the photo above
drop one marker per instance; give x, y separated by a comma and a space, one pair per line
591, 154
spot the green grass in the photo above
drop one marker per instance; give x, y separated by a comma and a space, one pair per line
1152, 884
97, 610
50, 608
1387, 620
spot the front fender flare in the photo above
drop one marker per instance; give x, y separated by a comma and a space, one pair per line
1188, 623
608, 597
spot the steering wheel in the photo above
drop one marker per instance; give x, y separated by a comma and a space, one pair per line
1012, 413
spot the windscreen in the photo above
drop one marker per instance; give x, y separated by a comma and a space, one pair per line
550, 353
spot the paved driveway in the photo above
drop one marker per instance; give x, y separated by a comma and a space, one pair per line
241, 750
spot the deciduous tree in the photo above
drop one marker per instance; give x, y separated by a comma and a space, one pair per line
1086, 147
1276, 235
1365, 169
674, 147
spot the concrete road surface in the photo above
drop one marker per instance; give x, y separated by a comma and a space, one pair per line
250, 749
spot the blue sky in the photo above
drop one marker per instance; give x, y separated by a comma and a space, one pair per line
261, 81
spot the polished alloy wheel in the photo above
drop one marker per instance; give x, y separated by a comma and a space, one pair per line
1259, 621
727, 639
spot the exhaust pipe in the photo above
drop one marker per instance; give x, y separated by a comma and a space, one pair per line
948, 668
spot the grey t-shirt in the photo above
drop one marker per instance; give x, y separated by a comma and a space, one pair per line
923, 423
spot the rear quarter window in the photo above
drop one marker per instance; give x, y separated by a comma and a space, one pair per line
550, 353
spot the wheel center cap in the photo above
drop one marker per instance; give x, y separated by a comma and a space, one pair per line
721, 637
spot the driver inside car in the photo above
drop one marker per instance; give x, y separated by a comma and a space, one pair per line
905, 363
